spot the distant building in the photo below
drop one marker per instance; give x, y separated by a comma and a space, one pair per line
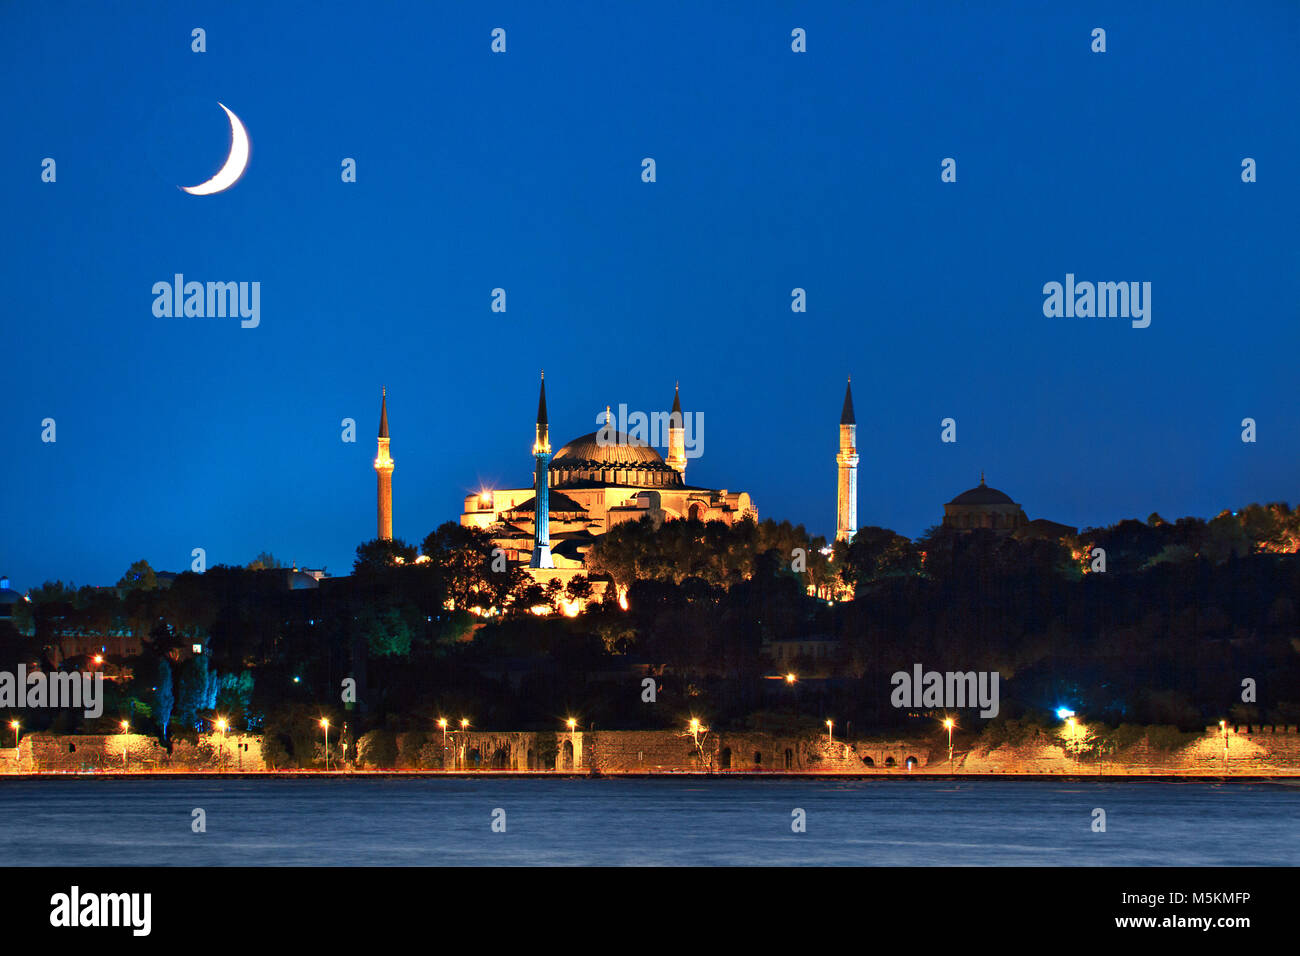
994, 510
8, 598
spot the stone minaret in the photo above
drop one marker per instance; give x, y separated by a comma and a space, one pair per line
384, 466
676, 436
541, 557
846, 520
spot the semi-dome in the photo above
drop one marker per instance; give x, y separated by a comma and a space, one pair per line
609, 448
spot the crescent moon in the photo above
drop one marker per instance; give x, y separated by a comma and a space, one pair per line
235, 164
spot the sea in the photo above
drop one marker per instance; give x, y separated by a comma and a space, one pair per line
659, 821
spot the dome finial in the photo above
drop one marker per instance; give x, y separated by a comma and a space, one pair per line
981, 476
606, 414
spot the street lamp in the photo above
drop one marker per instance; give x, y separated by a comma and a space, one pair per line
14, 725
790, 678
324, 722
460, 752
221, 725
572, 724
948, 723
830, 733
125, 728
442, 722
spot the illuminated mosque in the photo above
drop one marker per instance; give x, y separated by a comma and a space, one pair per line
588, 486
579, 492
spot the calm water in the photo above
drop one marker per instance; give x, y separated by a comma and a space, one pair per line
423, 822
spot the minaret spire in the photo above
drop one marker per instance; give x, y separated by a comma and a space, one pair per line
541, 556
384, 468
676, 435
846, 517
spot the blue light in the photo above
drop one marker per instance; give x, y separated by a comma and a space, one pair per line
1063, 712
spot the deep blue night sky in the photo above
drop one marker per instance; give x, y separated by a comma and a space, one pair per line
522, 170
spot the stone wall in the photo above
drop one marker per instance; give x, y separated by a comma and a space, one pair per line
1250, 750
78, 753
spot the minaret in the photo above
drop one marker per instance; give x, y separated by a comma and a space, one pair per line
676, 436
384, 466
541, 557
846, 520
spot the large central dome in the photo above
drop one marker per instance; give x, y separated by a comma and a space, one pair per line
614, 448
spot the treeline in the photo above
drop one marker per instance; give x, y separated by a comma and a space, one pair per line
1183, 613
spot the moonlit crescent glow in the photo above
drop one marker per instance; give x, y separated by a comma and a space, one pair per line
235, 162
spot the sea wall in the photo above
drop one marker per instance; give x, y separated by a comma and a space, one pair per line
80, 753
1241, 749
1236, 750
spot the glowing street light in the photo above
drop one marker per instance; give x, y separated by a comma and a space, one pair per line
442, 723
572, 723
830, 732
325, 724
948, 723
460, 750
125, 727
14, 724
790, 678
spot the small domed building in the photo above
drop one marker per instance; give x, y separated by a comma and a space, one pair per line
984, 507
8, 599
994, 510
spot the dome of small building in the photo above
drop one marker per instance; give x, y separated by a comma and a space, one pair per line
7, 594
984, 507
982, 494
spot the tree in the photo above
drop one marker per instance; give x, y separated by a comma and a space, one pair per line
265, 561
385, 631
382, 553
473, 570
164, 699
876, 553
579, 587
139, 576
192, 692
